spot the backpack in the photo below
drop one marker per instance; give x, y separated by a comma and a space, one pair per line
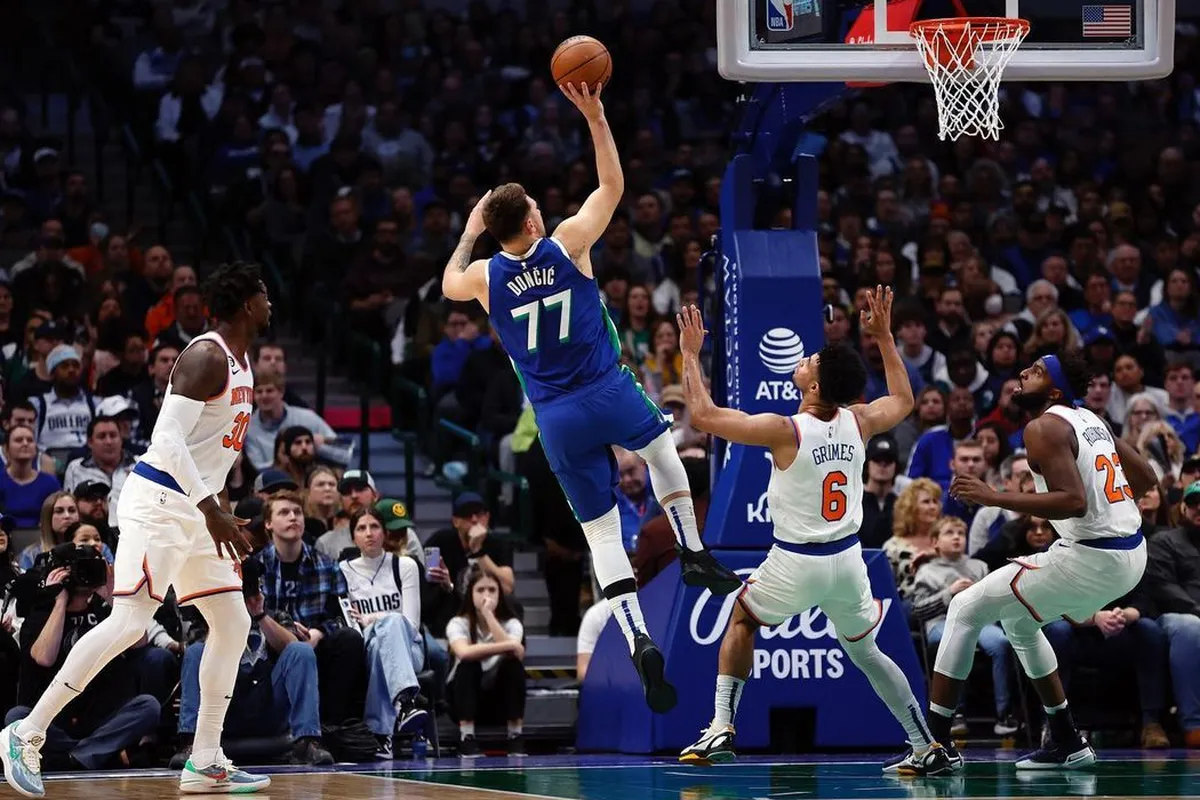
351, 741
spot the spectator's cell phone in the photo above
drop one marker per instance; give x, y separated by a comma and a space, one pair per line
433, 557
346, 607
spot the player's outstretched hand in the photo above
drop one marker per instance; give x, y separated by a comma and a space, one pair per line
226, 532
970, 489
586, 99
475, 226
691, 329
876, 319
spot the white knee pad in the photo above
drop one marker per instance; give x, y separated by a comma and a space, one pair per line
967, 615
667, 474
1031, 645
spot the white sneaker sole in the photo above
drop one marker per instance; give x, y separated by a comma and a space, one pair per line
1080, 759
209, 787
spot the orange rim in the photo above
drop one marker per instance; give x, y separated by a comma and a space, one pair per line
1004, 28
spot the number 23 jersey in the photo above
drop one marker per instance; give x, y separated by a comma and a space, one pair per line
217, 438
1111, 509
818, 498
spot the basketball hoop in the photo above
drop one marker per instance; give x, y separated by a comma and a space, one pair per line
965, 59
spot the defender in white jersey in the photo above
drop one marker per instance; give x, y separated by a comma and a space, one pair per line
176, 530
1087, 483
818, 457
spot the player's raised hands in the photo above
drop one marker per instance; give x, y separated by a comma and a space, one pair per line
475, 226
876, 319
691, 329
586, 99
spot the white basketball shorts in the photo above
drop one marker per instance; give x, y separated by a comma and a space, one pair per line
1073, 581
164, 542
788, 583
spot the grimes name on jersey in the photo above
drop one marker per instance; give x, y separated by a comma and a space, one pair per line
834, 451
531, 278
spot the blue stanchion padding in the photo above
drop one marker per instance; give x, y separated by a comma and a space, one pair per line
797, 665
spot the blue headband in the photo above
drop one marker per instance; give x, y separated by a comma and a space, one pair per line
1058, 377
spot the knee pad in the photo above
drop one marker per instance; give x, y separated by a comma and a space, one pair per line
1031, 646
667, 474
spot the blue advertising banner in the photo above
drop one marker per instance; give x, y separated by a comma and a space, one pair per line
798, 664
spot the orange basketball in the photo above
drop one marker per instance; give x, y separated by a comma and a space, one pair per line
581, 59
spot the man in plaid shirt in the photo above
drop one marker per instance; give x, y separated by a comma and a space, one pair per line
302, 584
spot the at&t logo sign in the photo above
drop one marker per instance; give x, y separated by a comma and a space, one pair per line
780, 350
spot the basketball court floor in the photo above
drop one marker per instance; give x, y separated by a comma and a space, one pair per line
1122, 774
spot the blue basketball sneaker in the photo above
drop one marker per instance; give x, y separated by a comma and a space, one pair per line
220, 778
22, 761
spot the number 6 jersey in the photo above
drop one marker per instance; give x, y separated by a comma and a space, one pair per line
217, 438
818, 498
1111, 509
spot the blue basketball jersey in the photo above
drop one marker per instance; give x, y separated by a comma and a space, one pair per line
551, 319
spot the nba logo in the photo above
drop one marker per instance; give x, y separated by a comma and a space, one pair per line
779, 15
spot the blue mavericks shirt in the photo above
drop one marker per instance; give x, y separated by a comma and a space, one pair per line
551, 319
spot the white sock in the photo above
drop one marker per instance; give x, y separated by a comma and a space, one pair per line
669, 477
941, 711
228, 626
466, 729
1051, 709
514, 729
729, 694
94, 650
614, 572
681, 513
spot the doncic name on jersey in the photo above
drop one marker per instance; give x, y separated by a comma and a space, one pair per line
531, 277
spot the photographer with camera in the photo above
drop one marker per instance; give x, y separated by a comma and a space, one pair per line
63, 597
276, 689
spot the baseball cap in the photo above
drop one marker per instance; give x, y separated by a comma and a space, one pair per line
1098, 333
92, 490
61, 355
394, 513
355, 479
273, 480
291, 434
49, 330
1192, 491
882, 448
468, 503
672, 394
115, 406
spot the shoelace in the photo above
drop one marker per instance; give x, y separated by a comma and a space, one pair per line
31, 754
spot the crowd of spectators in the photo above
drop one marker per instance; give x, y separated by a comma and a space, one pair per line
346, 142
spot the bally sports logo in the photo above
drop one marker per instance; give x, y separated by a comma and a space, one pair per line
778, 658
780, 350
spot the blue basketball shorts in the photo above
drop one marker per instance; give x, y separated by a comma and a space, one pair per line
578, 431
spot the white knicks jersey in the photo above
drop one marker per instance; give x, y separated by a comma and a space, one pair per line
1111, 510
818, 498
217, 439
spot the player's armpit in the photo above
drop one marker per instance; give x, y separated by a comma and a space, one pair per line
880, 416
761, 430
469, 284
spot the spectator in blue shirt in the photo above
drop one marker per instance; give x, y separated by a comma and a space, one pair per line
23, 488
967, 460
303, 584
1097, 311
1176, 320
1180, 385
935, 449
463, 336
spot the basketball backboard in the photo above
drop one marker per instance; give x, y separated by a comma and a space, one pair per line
868, 40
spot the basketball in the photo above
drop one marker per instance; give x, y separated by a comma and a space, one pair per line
581, 59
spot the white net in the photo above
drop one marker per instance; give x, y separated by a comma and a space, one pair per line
965, 59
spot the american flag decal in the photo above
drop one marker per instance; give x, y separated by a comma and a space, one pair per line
1109, 21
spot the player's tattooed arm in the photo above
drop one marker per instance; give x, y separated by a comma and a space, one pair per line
464, 279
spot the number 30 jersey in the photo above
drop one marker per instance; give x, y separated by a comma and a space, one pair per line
221, 429
1111, 510
818, 498
552, 322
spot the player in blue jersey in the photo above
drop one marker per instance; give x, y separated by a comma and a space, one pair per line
546, 308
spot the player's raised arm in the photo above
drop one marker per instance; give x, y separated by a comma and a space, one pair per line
765, 430
886, 412
1050, 443
580, 232
463, 279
